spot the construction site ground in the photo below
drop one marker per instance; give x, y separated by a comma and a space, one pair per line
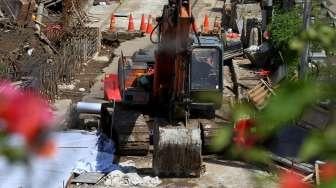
87, 86
219, 172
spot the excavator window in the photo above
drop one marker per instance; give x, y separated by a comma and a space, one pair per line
205, 69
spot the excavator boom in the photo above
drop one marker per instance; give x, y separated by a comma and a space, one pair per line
173, 55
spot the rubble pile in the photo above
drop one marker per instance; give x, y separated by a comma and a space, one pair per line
127, 176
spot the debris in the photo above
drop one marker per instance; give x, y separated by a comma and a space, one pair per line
118, 178
66, 86
253, 48
128, 177
30, 51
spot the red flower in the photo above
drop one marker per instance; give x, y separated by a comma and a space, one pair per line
243, 134
47, 149
328, 171
288, 179
24, 113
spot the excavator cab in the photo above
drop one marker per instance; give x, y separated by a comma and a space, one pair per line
206, 85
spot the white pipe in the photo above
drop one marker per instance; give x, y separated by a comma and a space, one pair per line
89, 108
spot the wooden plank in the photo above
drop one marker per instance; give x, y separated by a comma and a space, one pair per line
268, 86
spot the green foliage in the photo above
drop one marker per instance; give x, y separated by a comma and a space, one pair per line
291, 98
311, 147
329, 184
12, 154
287, 105
285, 26
321, 35
321, 144
222, 139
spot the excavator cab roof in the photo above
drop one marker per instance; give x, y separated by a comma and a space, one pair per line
207, 41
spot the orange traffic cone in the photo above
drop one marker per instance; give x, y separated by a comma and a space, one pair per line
113, 24
130, 24
149, 25
206, 24
143, 24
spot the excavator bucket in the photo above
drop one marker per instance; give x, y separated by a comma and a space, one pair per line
177, 150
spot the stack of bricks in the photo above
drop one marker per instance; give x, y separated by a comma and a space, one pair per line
19, 10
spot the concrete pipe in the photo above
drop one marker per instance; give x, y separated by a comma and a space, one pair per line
89, 108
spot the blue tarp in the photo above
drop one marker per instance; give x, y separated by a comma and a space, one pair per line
77, 151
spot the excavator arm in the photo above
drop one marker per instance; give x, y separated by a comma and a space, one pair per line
173, 53
177, 144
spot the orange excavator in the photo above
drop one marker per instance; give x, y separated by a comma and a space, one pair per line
166, 100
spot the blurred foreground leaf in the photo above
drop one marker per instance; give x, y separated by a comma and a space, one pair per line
13, 154
222, 138
257, 155
322, 144
286, 106
311, 147
330, 184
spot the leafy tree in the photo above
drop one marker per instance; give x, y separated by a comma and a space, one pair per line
285, 26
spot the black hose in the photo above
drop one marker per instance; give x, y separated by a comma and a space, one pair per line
151, 34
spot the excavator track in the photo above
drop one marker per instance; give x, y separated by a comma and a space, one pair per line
131, 132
